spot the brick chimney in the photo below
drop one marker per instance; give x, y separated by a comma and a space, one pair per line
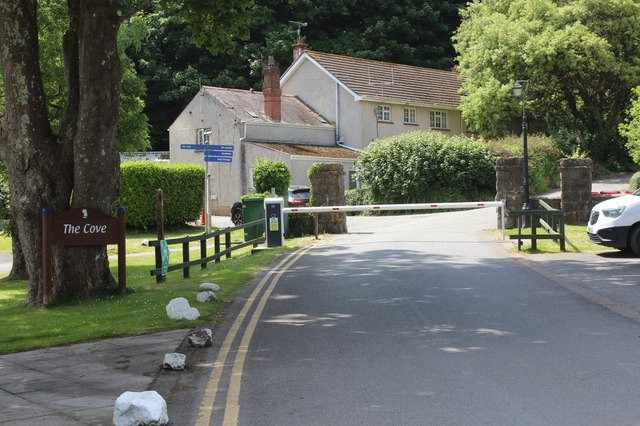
271, 91
298, 48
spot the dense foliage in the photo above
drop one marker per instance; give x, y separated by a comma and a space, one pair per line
580, 57
182, 185
630, 129
427, 166
544, 157
269, 174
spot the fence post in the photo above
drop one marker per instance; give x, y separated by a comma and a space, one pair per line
216, 243
203, 252
185, 259
227, 243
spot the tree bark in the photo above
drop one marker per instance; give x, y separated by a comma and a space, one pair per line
45, 169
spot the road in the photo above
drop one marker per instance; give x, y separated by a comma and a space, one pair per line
415, 320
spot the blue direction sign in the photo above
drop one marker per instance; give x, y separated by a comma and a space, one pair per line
203, 147
218, 153
212, 159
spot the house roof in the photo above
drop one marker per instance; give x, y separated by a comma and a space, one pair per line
378, 80
248, 105
311, 150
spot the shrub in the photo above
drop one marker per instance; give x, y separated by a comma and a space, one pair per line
182, 185
269, 174
301, 224
415, 167
544, 156
634, 182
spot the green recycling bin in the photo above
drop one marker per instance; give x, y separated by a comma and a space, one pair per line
253, 209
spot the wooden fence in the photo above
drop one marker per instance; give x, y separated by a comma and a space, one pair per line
159, 272
549, 219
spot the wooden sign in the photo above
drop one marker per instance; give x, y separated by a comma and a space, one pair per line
83, 226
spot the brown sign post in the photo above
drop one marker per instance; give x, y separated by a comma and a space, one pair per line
83, 226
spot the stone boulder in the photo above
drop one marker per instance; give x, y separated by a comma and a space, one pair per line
205, 296
179, 308
200, 338
174, 361
209, 287
140, 409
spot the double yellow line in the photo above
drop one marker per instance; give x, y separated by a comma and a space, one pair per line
232, 405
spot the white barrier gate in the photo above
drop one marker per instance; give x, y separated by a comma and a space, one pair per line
387, 207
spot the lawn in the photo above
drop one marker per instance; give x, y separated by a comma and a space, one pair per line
140, 311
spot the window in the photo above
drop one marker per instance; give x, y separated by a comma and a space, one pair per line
203, 136
410, 116
383, 112
438, 120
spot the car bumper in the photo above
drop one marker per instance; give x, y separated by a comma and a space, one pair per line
610, 237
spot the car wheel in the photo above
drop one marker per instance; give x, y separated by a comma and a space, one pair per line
634, 240
236, 214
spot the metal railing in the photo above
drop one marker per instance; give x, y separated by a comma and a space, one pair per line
159, 272
547, 218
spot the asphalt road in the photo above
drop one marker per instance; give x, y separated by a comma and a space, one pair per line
417, 320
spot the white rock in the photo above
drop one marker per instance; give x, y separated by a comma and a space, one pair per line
174, 361
179, 308
201, 338
206, 296
140, 408
209, 287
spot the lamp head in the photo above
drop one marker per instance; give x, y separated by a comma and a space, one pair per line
517, 90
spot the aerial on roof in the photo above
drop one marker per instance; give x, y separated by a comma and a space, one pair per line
378, 80
248, 105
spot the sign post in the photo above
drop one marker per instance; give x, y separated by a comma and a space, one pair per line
212, 154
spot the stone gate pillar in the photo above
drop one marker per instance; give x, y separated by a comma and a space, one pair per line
327, 188
509, 187
575, 187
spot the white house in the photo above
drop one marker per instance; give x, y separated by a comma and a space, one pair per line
264, 124
368, 99
324, 108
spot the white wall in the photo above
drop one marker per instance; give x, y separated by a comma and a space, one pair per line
226, 178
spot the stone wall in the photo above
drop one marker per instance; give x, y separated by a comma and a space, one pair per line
327, 189
509, 187
575, 188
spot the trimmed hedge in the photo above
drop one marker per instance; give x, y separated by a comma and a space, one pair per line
182, 185
269, 174
427, 166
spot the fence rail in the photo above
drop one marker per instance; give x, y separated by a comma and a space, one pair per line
547, 218
159, 272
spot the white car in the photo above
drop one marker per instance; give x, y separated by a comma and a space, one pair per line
616, 223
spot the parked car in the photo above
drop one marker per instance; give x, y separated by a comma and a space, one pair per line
299, 196
616, 223
236, 213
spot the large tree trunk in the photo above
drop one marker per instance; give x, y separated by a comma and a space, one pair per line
44, 170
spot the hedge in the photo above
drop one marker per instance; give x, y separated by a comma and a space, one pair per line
182, 185
427, 166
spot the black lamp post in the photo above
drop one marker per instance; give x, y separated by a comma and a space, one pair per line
520, 91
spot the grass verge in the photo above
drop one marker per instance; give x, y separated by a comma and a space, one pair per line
142, 311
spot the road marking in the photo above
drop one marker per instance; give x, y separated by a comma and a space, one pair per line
206, 407
232, 408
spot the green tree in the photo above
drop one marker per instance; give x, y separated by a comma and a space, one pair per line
74, 162
269, 174
630, 129
580, 57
